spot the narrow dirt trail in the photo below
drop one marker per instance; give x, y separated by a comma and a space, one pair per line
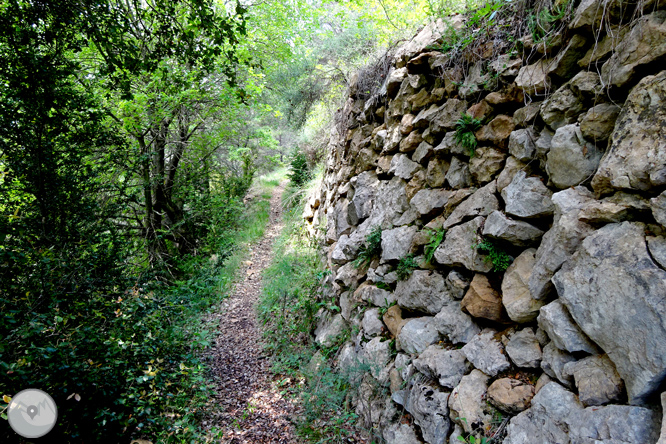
253, 410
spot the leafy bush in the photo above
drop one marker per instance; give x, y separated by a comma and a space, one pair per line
498, 257
371, 248
300, 172
405, 267
466, 126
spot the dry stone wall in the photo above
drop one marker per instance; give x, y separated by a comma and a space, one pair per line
567, 344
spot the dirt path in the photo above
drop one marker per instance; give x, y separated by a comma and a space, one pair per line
253, 410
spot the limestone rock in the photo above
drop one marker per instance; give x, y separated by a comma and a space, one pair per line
436, 173
527, 197
423, 291
372, 324
416, 184
445, 366
423, 152
590, 13
345, 250
365, 188
658, 205
499, 226
554, 361
497, 131
446, 116
526, 115
614, 424
521, 144
612, 273
393, 320
457, 326
429, 201
411, 142
456, 250
571, 160
511, 168
348, 275
429, 407
376, 355
341, 218
417, 334
482, 300
599, 121
402, 167
486, 163
481, 203
534, 78
546, 422
399, 433
657, 247
448, 145
562, 330
458, 175
330, 330
562, 240
468, 401
645, 43
597, 380
524, 350
561, 108
397, 242
636, 158
456, 284
485, 353
376, 296
510, 395
394, 81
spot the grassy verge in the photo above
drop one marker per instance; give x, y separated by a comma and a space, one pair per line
288, 307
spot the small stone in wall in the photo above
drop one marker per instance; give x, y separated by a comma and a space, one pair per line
372, 325
429, 407
411, 142
499, 226
458, 175
423, 291
457, 250
399, 433
526, 115
571, 160
467, 402
485, 352
562, 108
524, 350
445, 366
436, 173
599, 121
455, 325
553, 362
497, 131
511, 168
397, 242
486, 163
555, 320
522, 144
417, 334
597, 380
403, 167
483, 301
393, 320
481, 203
534, 78
527, 197
422, 153
510, 395
446, 116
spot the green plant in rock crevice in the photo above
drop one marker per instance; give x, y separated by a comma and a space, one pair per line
371, 248
466, 126
436, 238
405, 267
499, 258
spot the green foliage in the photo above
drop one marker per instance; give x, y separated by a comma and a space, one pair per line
498, 257
540, 22
371, 248
405, 267
436, 238
300, 171
471, 439
466, 126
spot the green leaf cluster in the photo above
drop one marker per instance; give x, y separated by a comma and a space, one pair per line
466, 126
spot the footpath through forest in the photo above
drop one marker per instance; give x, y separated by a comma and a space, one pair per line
252, 408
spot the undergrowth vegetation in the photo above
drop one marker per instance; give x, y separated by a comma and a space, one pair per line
288, 310
127, 362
